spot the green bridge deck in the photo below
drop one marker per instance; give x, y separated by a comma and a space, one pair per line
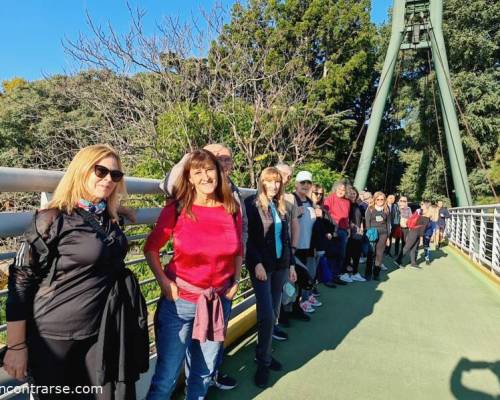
430, 333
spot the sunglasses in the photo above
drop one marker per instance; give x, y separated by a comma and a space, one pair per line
306, 183
403, 201
318, 193
380, 199
101, 172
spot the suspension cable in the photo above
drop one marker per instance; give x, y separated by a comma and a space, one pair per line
438, 127
353, 147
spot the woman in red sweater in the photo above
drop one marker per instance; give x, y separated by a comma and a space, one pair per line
200, 280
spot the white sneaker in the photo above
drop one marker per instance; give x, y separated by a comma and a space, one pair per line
383, 267
313, 301
358, 278
307, 307
345, 278
362, 260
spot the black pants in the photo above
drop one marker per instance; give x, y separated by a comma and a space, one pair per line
411, 246
62, 363
268, 301
353, 253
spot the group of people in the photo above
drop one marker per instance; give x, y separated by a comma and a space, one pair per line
77, 315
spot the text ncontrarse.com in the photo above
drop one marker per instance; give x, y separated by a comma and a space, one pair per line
57, 389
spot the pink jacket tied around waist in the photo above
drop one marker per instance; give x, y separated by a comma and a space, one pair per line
209, 315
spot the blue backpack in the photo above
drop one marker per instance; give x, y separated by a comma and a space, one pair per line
372, 234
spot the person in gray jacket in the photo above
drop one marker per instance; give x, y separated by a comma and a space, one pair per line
168, 185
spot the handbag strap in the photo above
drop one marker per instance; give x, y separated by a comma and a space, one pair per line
107, 239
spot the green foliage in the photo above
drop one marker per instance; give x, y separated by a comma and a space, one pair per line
321, 173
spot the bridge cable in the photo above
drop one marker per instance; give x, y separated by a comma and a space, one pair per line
353, 147
438, 127
464, 119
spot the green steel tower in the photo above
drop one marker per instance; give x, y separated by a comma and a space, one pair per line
417, 24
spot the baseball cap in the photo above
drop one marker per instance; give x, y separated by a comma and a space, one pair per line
304, 176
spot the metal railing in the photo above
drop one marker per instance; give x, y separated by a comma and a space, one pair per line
476, 231
13, 224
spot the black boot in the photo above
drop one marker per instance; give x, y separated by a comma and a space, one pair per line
368, 271
376, 273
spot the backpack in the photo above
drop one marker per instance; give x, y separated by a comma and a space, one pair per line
412, 222
372, 234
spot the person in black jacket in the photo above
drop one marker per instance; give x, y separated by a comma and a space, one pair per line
377, 218
268, 259
61, 280
355, 241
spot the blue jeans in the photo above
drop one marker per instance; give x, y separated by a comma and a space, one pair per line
427, 247
174, 344
340, 246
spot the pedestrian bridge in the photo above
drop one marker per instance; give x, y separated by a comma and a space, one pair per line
420, 333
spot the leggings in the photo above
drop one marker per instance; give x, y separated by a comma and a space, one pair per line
411, 246
353, 254
69, 363
379, 248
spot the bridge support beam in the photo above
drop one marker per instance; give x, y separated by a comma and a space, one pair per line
450, 121
454, 143
377, 112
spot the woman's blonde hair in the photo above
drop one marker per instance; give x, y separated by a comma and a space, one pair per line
270, 173
72, 187
432, 212
373, 202
185, 192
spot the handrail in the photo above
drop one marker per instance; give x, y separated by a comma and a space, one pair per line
476, 231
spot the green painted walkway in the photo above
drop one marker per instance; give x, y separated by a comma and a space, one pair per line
430, 333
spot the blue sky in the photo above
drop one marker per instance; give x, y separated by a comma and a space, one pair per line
31, 31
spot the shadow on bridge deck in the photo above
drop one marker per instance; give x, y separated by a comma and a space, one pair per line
429, 333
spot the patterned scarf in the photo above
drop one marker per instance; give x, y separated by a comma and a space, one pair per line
91, 207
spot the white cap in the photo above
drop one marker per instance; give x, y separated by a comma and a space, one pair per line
304, 176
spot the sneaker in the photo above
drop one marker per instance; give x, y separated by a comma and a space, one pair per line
307, 307
357, 277
261, 377
223, 381
346, 278
362, 260
274, 366
313, 301
383, 267
278, 334
339, 281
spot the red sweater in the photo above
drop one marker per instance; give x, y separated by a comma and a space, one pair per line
205, 248
339, 210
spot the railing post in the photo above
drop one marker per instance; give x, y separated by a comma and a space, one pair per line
463, 233
472, 236
482, 235
495, 257
45, 197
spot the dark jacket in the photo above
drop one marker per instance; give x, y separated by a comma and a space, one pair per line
356, 221
123, 341
323, 226
262, 249
395, 214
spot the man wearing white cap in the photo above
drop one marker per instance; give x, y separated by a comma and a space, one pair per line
304, 254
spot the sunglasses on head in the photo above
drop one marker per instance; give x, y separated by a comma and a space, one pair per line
101, 172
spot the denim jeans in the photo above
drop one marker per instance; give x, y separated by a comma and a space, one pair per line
174, 344
427, 247
339, 252
268, 299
